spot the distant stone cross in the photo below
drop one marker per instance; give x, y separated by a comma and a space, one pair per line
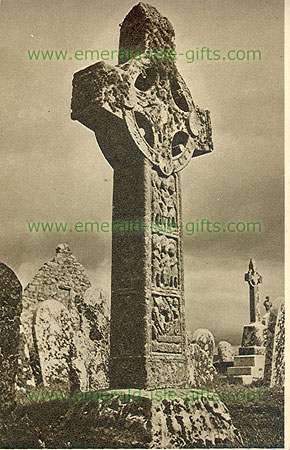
148, 128
254, 279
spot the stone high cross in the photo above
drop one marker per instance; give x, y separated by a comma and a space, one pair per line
254, 279
148, 128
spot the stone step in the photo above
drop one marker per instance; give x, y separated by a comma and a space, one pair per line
249, 360
240, 371
241, 379
252, 350
222, 367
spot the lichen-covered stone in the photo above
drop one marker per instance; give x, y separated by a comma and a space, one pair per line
148, 129
225, 352
201, 370
24, 376
60, 363
61, 279
10, 310
278, 361
143, 421
253, 335
269, 320
93, 337
205, 339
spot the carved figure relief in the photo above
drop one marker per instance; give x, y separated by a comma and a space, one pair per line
164, 201
164, 262
165, 318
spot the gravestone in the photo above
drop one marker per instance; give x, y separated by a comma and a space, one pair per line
224, 357
225, 352
93, 337
205, 339
24, 377
148, 129
10, 310
278, 360
60, 279
56, 349
269, 319
201, 370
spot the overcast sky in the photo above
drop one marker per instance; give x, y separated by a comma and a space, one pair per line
53, 169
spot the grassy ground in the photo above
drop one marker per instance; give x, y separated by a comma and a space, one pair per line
256, 411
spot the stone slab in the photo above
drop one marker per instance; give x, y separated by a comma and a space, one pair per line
254, 350
222, 367
241, 379
250, 360
232, 371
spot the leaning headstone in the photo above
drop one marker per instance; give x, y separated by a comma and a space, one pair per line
10, 310
56, 349
61, 279
278, 362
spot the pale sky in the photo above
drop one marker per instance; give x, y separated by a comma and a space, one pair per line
53, 169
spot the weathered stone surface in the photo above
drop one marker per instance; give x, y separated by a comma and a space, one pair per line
269, 320
253, 335
60, 363
61, 279
93, 337
200, 366
200, 358
24, 377
148, 128
278, 361
225, 352
10, 310
148, 420
144, 29
205, 339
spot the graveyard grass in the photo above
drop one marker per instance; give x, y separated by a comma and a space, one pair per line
61, 424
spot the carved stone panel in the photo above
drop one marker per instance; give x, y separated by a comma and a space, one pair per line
166, 324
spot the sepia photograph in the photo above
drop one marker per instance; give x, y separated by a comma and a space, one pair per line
142, 253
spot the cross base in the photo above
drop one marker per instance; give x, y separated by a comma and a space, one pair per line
135, 418
151, 373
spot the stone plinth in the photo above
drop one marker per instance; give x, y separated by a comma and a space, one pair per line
250, 363
149, 419
253, 335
